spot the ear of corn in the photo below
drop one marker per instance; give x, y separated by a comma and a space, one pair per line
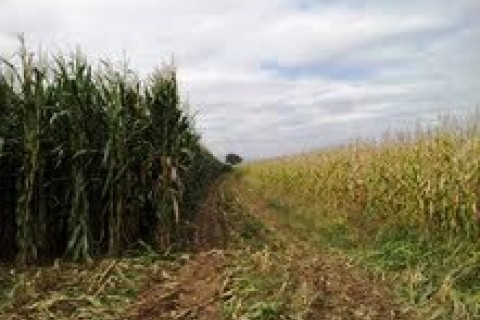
91, 159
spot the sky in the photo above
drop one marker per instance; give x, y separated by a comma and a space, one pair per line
266, 78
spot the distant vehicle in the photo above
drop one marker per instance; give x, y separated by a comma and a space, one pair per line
233, 159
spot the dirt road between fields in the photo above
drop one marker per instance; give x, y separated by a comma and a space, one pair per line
339, 289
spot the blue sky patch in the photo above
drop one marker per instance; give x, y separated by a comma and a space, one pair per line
331, 71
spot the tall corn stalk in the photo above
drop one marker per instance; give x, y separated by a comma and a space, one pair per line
426, 180
100, 158
31, 94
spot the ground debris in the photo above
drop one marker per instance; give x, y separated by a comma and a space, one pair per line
193, 293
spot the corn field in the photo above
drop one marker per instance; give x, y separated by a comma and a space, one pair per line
92, 159
427, 179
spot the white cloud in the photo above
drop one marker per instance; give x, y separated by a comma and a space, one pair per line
419, 57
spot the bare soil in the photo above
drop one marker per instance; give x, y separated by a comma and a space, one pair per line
193, 293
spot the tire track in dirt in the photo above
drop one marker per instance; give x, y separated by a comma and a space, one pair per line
343, 290
192, 293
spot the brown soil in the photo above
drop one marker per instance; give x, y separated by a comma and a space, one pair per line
191, 294
209, 229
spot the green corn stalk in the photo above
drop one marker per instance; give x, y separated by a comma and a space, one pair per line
105, 159
31, 148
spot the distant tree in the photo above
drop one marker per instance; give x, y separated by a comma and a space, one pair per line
233, 159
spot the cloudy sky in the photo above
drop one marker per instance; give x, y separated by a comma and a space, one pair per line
270, 77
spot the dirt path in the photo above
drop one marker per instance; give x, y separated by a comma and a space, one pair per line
192, 293
331, 286
344, 291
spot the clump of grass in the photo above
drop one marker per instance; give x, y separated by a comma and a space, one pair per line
92, 158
